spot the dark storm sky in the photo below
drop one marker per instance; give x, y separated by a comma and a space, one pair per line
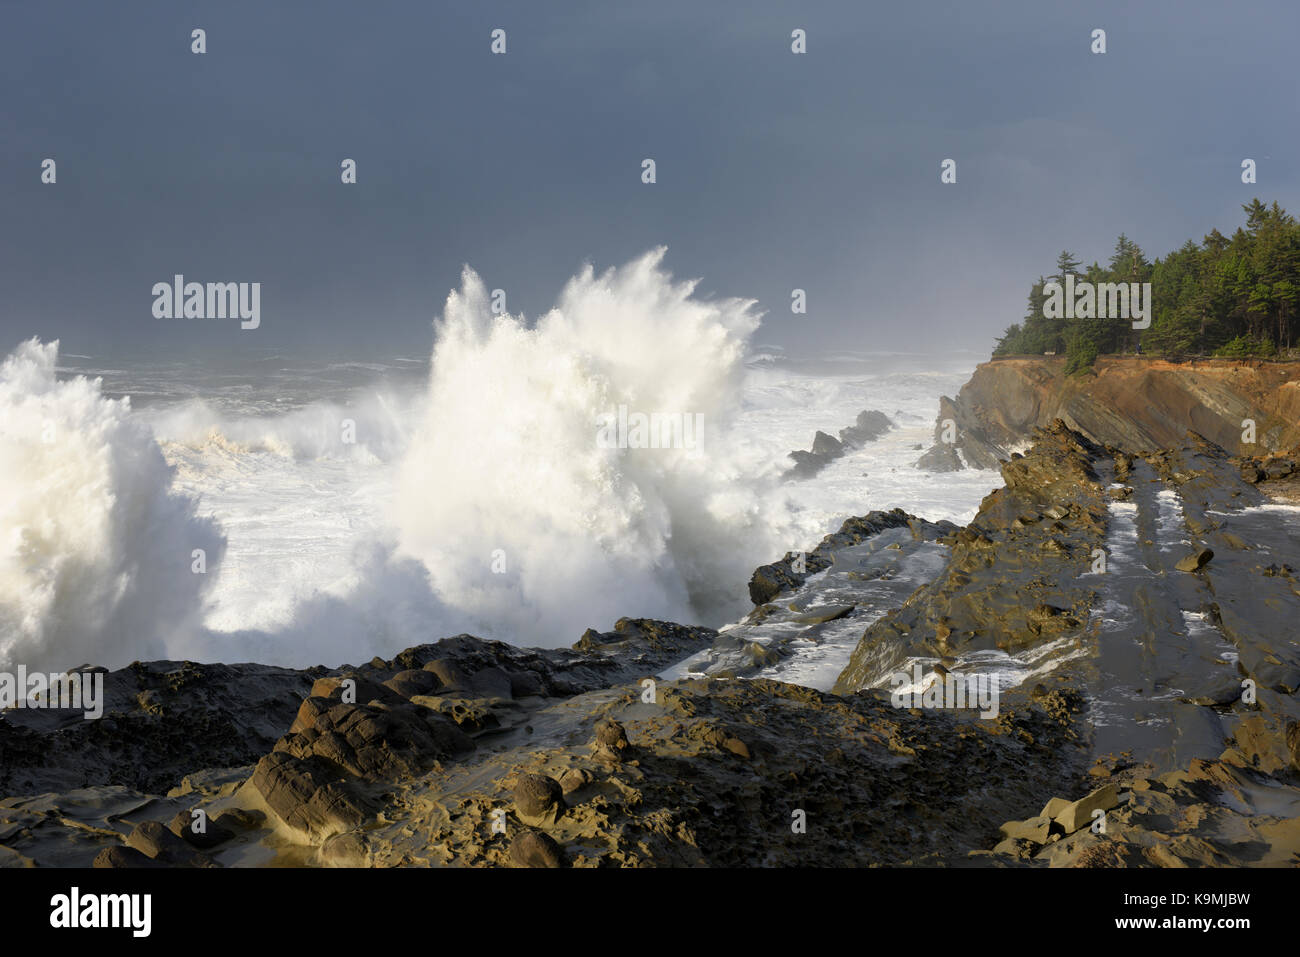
818, 171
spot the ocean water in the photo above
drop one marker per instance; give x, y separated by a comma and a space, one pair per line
347, 509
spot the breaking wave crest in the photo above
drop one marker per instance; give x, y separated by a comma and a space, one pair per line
486, 504
524, 521
96, 554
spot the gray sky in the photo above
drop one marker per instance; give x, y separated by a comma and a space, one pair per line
775, 171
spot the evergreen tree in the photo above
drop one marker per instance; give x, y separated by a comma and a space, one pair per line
1065, 264
1233, 295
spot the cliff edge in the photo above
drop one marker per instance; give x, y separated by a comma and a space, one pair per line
1126, 402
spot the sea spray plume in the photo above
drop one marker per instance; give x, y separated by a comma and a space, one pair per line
523, 520
309, 433
386, 605
95, 545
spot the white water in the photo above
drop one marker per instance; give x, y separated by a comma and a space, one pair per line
505, 464
341, 550
95, 546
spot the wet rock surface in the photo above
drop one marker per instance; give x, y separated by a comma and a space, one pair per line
769, 581
1157, 586
1146, 716
1016, 576
811, 607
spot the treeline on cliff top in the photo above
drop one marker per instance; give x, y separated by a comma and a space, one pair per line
1233, 297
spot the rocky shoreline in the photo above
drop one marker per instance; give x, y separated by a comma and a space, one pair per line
1137, 610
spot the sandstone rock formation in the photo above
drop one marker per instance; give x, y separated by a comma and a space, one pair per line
1131, 403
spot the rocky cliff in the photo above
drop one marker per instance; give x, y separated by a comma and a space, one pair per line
1130, 403
1160, 591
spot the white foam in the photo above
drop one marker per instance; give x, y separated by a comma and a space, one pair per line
340, 551
505, 466
95, 543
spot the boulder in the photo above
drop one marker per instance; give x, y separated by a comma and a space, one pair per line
308, 799
155, 841
611, 738
538, 799
413, 682
826, 445
574, 779
121, 856
535, 849
869, 426
1278, 468
1054, 807
239, 819
373, 741
183, 826
1035, 830
1079, 814
942, 457
366, 690
1195, 561
819, 616
490, 682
